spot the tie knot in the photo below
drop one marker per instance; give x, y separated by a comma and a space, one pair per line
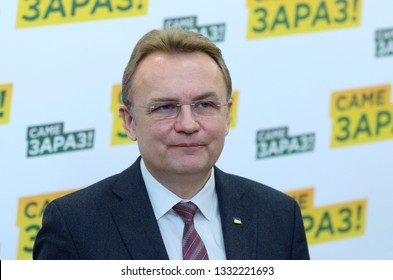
186, 210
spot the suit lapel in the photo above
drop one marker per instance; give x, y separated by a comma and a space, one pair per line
135, 218
240, 239
139, 230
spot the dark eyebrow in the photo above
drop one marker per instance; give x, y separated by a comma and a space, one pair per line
163, 99
210, 94
207, 95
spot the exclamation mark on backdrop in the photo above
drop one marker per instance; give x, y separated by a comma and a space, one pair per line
140, 5
2, 102
90, 139
359, 217
355, 9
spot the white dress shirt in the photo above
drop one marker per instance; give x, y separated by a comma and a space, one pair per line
207, 219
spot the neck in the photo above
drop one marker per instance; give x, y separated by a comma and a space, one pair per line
185, 186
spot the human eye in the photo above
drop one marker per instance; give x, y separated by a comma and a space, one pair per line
206, 104
163, 107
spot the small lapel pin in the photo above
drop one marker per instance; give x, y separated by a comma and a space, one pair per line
237, 221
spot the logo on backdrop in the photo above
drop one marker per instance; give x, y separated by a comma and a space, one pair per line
49, 12
29, 220
275, 142
215, 32
332, 222
5, 103
270, 18
361, 115
384, 42
49, 139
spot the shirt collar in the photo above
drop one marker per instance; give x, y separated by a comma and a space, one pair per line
163, 199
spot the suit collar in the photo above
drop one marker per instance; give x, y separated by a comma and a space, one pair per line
135, 218
240, 239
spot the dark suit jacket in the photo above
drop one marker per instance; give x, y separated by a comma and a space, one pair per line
114, 219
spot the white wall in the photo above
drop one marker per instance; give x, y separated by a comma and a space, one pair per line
65, 73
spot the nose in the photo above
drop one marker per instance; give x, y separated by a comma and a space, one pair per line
185, 121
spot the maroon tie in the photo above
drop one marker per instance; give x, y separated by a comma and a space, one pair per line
193, 247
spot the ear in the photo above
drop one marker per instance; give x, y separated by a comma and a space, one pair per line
228, 116
128, 122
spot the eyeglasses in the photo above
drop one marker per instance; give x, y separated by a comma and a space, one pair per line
170, 110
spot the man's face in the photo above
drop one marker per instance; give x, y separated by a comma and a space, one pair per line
189, 143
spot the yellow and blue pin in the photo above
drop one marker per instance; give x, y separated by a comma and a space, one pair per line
237, 221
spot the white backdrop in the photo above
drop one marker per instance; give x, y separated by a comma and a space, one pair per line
320, 69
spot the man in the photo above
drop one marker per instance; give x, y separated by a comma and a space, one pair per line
173, 203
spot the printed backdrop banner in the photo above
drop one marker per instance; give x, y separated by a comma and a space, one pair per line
312, 113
